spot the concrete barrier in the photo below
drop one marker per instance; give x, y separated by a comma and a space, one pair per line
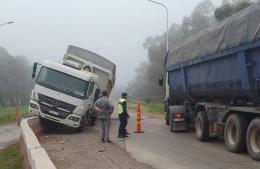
35, 156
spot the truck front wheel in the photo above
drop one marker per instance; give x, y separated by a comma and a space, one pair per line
80, 129
253, 139
82, 124
167, 121
171, 121
202, 126
235, 132
48, 125
167, 115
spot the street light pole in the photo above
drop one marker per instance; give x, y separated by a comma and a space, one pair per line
167, 21
6, 23
167, 88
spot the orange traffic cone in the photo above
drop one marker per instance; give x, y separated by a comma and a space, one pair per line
139, 118
17, 116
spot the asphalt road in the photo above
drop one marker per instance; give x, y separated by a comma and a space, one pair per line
162, 149
9, 133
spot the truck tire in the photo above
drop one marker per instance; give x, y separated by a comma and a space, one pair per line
167, 114
235, 132
253, 139
47, 125
167, 121
171, 120
80, 129
202, 126
82, 124
91, 118
88, 118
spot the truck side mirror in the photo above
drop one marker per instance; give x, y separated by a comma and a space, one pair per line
35, 64
160, 81
97, 92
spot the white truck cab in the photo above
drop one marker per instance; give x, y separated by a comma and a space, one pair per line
65, 92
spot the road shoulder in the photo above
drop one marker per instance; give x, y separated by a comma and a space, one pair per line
84, 150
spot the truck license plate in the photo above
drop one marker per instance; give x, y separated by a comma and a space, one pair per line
53, 112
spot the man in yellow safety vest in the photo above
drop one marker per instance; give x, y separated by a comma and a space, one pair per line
123, 116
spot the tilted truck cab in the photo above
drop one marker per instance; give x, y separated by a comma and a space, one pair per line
65, 92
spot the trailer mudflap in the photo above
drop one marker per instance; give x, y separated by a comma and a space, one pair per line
179, 126
177, 118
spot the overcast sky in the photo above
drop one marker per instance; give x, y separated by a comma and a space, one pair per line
115, 29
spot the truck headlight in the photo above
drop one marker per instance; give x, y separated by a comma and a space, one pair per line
34, 106
75, 119
35, 96
79, 110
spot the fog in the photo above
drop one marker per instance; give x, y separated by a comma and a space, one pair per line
115, 29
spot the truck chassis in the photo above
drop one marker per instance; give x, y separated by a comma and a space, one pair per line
239, 126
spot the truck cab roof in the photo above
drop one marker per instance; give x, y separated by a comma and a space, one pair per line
84, 75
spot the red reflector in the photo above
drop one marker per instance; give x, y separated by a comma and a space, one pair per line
178, 115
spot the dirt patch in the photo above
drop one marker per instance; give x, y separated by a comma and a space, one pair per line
84, 150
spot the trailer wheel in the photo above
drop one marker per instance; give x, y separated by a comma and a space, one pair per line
253, 139
202, 126
235, 132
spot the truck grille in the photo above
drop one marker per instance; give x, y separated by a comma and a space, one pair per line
61, 109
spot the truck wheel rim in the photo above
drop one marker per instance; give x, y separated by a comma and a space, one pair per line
255, 140
232, 134
199, 127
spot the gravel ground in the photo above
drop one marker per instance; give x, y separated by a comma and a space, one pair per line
84, 150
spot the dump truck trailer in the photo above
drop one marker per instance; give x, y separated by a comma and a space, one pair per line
94, 63
213, 83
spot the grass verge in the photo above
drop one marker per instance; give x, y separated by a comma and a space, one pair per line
10, 157
156, 108
150, 107
8, 114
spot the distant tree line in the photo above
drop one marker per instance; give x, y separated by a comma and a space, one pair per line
145, 84
15, 79
229, 8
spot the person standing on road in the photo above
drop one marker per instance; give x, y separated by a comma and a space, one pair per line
123, 116
104, 109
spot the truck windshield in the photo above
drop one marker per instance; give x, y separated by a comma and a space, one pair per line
62, 82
